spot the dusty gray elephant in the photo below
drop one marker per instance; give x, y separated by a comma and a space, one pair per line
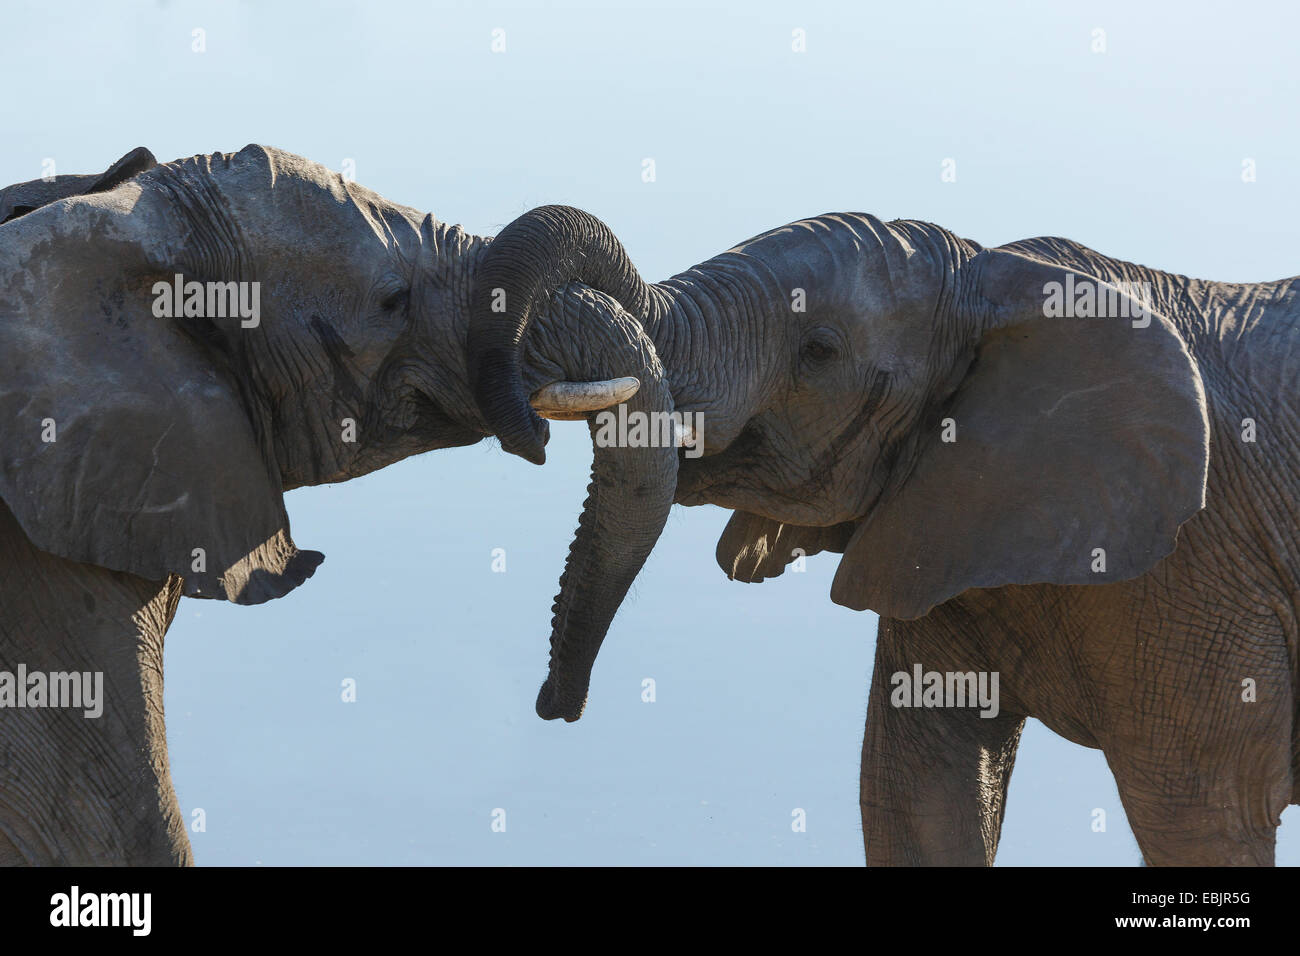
1080, 474
177, 350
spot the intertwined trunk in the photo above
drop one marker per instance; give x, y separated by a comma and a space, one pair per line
536, 253
628, 500
632, 488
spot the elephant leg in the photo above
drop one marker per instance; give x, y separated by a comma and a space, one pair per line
934, 780
1211, 819
1203, 774
79, 787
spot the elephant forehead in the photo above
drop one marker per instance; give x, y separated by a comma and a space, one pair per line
272, 191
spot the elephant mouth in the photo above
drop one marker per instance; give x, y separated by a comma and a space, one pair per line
738, 477
433, 426
409, 421
706, 479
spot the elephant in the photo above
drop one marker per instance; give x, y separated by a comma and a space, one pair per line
1077, 476
180, 344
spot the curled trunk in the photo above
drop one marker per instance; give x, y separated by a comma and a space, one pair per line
632, 487
535, 254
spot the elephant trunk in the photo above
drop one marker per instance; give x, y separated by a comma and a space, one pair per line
628, 501
541, 250
634, 472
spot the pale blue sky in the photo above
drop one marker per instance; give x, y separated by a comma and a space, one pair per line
761, 689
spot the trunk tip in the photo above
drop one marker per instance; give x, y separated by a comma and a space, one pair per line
551, 705
528, 443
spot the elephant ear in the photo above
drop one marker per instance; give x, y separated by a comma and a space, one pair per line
123, 441
1081, 446
22, 198
754, 548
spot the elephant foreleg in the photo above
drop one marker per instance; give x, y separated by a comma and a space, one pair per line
934, 780
86, 784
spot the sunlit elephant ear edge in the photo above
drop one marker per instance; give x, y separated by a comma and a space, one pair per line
1082, 445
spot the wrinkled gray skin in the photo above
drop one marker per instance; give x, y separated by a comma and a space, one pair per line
174, 438
824, 432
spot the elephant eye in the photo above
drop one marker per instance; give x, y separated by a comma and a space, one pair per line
819, 347
395, 301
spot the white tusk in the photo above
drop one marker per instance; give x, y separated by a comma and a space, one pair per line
572, 401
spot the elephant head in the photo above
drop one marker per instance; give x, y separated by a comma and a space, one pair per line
897, 394
179, 348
